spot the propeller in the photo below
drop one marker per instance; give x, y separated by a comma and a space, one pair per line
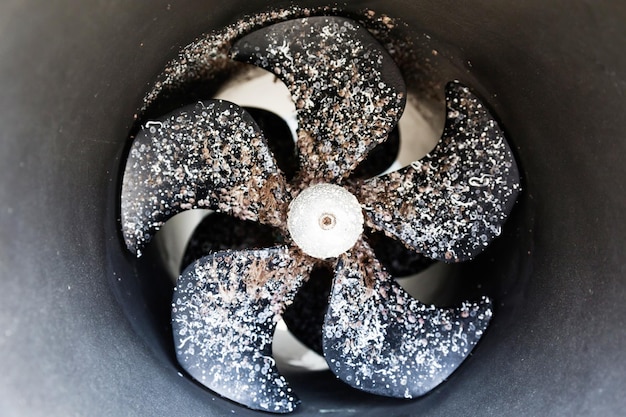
224, 313
447, 206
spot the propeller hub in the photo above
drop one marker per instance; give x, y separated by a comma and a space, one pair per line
325, 220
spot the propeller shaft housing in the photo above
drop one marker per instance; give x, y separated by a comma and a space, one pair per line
325, 220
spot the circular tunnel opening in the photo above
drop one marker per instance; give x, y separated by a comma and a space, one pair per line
427, 65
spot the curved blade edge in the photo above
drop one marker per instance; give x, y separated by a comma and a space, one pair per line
348, 91
379, 339
451, 204
210, 155
224, 312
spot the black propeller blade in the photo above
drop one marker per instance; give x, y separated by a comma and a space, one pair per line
452, 203
348, 92
377, 338
208, 155
224, 313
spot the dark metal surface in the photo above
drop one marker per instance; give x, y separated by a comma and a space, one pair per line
73, 337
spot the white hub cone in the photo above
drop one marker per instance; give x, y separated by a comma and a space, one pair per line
325, 220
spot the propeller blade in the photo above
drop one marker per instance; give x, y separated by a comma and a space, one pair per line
219, 232
452, 203
208, 155
379, 339
224, 313
349, 93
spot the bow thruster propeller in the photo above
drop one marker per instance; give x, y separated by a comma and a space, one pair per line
224, 313
379, 339
209, 155
349, 94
